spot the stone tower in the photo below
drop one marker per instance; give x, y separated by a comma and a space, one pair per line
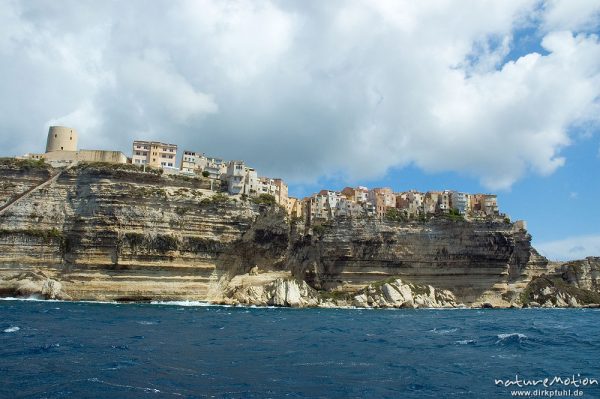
61, 138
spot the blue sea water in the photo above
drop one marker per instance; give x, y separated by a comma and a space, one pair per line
96, 350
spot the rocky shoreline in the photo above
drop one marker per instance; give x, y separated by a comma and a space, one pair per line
280, 289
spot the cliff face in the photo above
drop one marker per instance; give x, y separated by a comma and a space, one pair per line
108, 234
115, 233
485, 261
575, 283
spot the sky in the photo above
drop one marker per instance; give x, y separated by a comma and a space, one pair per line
490, 96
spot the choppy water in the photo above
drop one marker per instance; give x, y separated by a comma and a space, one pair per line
94, 350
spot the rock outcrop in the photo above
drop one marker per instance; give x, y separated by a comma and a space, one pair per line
34, 283
553, 291
114, 232
584, 274
269, 289
397, 294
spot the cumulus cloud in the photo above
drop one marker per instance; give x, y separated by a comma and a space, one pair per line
303, 90
571, 15
570, 248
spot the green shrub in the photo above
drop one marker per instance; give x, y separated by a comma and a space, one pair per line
205, 174
164, 243
45, 234
395, 215
319, 229
335, 295
264, 199
181, 210
219, 198
135, 240
454, 214
26, 164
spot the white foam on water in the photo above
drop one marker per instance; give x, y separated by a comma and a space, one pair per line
33, 298
465, 341
443, 332
144, 389
510, 335
185, 303
12, 329
40, 299
518, 337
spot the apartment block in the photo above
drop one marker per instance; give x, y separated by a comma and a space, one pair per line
460, 201
190, 163
154, 153
295, 207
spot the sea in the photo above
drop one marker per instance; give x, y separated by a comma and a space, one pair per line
53, 349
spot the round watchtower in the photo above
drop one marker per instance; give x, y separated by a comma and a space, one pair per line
61, 138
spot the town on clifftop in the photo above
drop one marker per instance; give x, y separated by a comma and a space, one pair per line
241, 180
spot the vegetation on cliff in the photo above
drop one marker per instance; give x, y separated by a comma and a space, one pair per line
555, 291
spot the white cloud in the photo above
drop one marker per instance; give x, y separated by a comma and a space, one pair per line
301, 90
570, 248
571, 15
155, 85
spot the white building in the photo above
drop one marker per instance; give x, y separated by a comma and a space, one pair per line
235, 176
348, 208
460, 201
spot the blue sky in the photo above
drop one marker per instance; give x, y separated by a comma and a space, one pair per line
498, 96
561, 205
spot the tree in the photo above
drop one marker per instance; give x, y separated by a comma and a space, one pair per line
205, 173
394, 214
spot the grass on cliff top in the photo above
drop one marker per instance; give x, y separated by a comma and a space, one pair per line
124, 167
27, 164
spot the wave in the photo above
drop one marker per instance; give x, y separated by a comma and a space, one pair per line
33, 298
443, 332
12, 329
465, 342
511, 338
185, 303
145, 389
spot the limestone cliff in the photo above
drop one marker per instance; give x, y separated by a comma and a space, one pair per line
570, 284
478, 261
103, 232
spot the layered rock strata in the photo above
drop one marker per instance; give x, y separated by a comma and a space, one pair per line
114, 232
